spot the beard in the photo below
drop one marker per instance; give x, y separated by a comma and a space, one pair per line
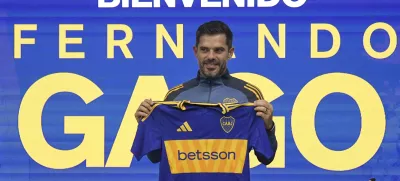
212, 68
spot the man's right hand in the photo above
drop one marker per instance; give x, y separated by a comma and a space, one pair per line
144, 109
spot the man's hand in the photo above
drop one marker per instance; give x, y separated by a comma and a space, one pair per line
265, 111
144, 109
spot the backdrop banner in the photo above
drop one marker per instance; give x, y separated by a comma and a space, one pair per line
73, 73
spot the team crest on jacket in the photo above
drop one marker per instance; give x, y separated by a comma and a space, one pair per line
230, 100
227, 123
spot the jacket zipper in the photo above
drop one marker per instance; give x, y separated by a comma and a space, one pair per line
209, 92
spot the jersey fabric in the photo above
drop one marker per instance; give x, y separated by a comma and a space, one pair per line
223, 89
202, 141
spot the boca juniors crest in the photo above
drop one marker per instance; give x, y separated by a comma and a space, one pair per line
230, 100
227, 123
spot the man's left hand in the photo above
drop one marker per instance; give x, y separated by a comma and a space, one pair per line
265, 111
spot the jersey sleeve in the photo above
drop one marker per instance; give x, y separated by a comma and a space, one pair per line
148, 135
258, 138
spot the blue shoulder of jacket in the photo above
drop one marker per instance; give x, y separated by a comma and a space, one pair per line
251, 91
175, 91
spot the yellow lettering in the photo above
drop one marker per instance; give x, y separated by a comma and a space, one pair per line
372, 120
270, 91
314, 40
123, 44
63, 41
367, 40
263, 31
18, 40
30, 126
163, 34
146, 87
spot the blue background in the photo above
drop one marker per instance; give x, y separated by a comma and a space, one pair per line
118, 77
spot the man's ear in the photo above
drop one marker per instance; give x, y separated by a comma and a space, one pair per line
195, 49
231, 52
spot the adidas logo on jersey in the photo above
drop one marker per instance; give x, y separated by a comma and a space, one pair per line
184, 127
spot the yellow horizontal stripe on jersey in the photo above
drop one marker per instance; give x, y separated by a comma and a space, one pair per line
212, 156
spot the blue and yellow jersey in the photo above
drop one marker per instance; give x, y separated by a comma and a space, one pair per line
202, 141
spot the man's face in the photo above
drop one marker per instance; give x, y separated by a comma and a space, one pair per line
212, 54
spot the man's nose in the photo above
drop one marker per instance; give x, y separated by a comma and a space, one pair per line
211, 54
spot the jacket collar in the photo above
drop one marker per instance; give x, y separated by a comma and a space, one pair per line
214, 81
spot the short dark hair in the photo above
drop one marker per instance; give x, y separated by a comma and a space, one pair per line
214, 28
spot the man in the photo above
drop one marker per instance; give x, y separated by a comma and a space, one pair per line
214, 84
